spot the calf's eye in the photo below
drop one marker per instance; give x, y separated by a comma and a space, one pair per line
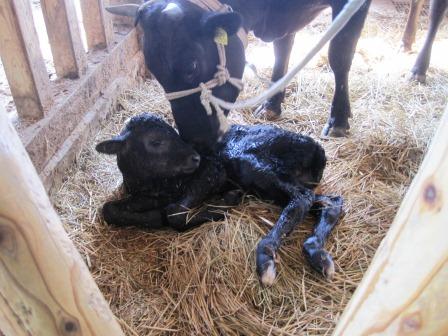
155, 143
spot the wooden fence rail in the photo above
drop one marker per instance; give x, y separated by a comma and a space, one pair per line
22, 59
97, 24
60, 114
405, 289
21, 55
65, 37
45, 287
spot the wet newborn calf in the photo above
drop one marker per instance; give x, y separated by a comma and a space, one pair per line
164, 176
284, 167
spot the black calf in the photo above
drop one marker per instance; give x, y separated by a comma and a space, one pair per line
283, 167
273, 163
162, 175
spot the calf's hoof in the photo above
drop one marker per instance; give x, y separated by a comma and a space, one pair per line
334, 132
266, 260
176, 216
233, 197
336, 208
268, 112
110, 213
319, 259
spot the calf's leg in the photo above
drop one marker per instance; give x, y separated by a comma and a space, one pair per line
272, 108
437, 10
329, 210
209, 181
178, 214
298, 206
134, 211
341, 52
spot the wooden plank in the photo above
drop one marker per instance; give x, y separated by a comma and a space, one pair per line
45, 287
97, 24
44, 138
405, 289
64, 35
22, 59
55, 170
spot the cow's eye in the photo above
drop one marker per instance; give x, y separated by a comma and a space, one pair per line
191, 71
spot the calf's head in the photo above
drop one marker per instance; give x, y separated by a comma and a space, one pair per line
180, 51
148, 148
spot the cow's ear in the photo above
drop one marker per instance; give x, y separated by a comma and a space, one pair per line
112, 146
230, 22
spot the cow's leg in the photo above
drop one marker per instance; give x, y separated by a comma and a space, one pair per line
272, 108
329, 210
341, 52
134, 211
411, 25
293, 214
437, 10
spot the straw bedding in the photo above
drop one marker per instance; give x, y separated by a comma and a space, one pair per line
203, 281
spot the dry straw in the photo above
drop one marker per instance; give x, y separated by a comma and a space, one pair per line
202, 282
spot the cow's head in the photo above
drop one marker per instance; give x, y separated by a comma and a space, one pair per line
179, 49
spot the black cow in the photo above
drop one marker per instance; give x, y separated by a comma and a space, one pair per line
180, 51
437, 10
164, 177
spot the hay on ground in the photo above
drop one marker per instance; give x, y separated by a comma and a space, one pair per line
202, 282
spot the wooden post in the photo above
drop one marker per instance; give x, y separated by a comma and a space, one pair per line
405, 289
45, 287
64, 36
98, 25
22, 59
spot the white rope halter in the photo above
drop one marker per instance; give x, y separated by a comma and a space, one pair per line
221, 77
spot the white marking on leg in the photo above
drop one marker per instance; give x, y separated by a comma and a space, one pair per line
329, 271
268, 277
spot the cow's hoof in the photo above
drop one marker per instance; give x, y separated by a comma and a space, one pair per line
266, 259
265, 112
406, 48
421, 78
334, 132
321, 261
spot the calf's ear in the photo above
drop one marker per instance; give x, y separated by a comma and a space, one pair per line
112, 146
230, 22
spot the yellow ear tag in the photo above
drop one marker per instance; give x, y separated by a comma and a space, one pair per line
221, 36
